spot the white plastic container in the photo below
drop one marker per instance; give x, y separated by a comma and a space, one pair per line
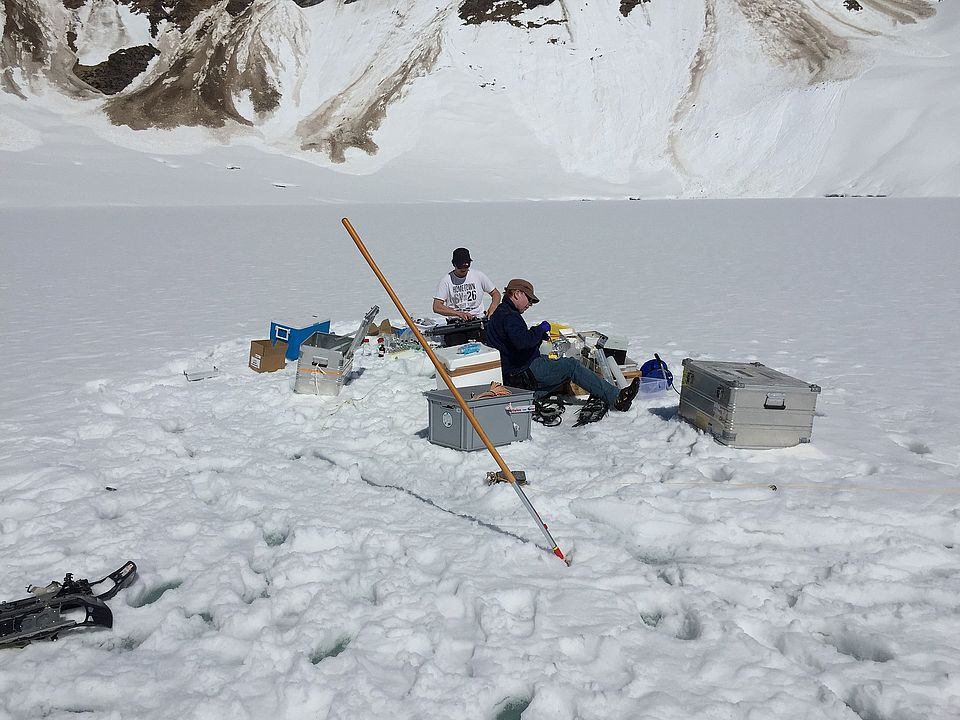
473, 369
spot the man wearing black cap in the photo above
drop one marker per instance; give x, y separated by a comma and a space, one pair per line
523, 366
459, 296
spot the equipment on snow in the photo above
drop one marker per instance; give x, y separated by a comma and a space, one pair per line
548, 410
294, 336
266, 356
56, 607
594, 410
453, 390
457, 326
326, 359
653, 370
498, 477
621, 381
194, 375
473, 368
747, 405
595, 359
505, 418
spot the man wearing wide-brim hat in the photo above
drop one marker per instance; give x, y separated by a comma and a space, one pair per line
524, 366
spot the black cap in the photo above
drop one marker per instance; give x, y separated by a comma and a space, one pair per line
461, 256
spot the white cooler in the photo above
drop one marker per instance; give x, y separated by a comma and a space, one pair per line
477, 368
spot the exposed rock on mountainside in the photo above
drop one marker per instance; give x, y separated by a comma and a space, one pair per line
117, 71
610, 90
34, 47
220, 58
474, 12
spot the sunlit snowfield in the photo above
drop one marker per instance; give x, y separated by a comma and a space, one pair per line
278, 580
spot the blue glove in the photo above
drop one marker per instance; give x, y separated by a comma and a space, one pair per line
544, 327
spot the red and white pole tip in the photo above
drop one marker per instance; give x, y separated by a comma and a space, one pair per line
559, 553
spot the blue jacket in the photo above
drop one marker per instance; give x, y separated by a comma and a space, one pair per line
508, 333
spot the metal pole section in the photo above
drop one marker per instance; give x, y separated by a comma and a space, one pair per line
456, 393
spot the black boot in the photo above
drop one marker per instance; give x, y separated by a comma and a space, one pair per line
626, 396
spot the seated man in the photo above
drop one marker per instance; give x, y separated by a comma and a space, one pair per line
459, 297
523, 365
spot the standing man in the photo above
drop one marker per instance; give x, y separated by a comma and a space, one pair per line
459, 297
523, 366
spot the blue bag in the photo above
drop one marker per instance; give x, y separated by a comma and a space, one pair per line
655, 370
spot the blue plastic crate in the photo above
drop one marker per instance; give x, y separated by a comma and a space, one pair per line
294, 336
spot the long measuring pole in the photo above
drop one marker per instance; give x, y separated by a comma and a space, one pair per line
442, 372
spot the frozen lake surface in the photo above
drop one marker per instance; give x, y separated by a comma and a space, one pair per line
303, 556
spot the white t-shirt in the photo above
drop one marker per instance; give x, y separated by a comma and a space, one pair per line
465, 294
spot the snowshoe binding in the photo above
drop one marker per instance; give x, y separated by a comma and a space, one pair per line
592, 411
547, 411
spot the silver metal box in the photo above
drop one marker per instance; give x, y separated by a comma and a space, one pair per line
505, 419
326, 359
747, 405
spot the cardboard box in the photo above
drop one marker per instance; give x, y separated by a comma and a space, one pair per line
265, 357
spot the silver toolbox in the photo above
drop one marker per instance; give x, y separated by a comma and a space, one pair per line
326, 359
747, 405
505, 419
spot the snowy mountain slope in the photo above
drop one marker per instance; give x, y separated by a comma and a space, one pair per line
707, 98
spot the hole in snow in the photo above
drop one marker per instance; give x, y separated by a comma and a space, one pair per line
651, 619
720, 474
318, 656
864, 701
151, 595
513, 708
690, 628
919, 448
862, 647
671, 576
275, 538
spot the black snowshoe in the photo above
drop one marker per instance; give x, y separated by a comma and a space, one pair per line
61, 606
547, 411
592, 411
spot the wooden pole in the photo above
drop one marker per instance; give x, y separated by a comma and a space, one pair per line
442, 372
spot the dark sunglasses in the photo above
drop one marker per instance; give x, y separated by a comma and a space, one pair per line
464, 266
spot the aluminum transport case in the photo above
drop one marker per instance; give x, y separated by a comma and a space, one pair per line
326, 359
505, 419
747, 405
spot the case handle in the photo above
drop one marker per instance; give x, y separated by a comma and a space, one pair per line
775, 401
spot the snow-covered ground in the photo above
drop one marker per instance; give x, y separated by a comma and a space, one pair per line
316, 557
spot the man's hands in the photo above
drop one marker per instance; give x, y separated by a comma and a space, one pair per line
440, 309
544, 327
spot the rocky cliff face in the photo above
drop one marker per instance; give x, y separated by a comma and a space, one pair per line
645, 83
